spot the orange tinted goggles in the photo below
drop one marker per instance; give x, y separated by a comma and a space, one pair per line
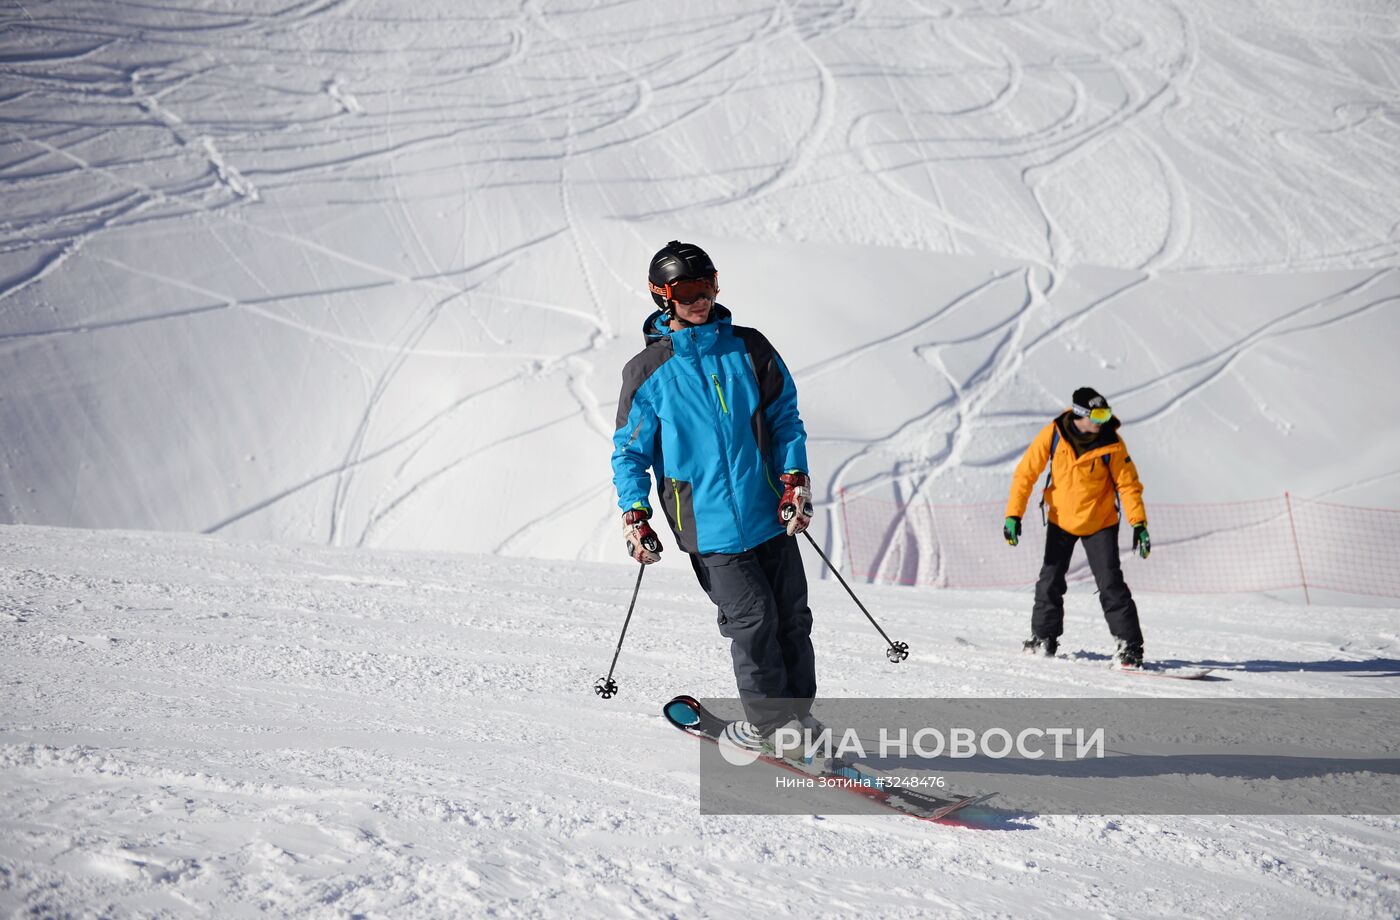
688, 290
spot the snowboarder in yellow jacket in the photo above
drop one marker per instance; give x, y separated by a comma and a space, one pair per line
1091, 475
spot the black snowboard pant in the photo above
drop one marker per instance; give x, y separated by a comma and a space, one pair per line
1048, 618
762, 599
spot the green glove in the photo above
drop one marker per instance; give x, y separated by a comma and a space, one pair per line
1011, 530
1142, 544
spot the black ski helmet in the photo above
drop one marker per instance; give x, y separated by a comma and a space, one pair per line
677, 261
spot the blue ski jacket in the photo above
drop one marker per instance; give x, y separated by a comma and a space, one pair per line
713, 411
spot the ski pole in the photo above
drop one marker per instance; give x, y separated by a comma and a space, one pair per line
606, 687
898, 651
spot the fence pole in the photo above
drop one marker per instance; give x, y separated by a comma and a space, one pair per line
1293, 529
846, 531
940, 574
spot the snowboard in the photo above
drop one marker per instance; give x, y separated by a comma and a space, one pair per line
1174, 673
1148, 670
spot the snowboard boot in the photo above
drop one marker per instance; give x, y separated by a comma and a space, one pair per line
1128, 657
1041, 648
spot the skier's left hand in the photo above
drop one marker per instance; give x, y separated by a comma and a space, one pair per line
1011, 530
1142, 545
795, 507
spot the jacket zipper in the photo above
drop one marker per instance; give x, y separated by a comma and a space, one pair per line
720, 431
720, 391
675, 487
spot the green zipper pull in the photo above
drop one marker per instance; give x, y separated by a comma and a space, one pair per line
675, 487
720, 391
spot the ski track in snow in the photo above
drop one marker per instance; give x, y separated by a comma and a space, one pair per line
421, 194
227, 728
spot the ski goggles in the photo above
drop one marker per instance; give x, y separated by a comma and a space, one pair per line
1098, 415
688, 290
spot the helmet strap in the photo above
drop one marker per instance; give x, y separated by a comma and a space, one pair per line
671, 316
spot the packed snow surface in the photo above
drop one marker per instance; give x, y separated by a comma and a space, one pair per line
195, 726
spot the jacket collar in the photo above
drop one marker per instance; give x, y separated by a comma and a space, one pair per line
1107, 436
656, 326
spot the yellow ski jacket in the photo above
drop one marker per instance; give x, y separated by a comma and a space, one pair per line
1085, 485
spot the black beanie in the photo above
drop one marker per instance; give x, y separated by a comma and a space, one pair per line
1088, 398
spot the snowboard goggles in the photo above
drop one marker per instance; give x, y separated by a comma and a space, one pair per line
688, 290
1098, 415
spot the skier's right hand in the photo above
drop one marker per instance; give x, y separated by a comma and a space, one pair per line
1011, 529
643, 544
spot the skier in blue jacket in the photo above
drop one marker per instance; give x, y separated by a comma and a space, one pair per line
710, 408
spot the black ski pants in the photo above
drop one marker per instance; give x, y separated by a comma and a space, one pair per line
762, 599
1048, 617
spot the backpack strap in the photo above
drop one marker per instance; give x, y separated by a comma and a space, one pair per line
1117, 499
1050, 472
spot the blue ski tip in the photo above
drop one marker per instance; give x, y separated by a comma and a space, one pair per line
681, 714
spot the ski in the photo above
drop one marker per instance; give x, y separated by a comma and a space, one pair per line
688, 715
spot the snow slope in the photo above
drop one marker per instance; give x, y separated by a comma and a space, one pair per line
349, 273
196, 727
